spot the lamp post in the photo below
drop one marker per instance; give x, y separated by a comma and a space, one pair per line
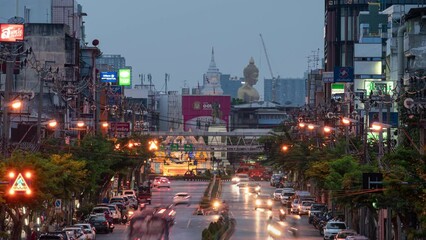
378, 127
14, 105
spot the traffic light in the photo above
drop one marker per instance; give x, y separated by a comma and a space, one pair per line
19, 183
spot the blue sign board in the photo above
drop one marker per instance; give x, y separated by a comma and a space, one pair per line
108, 77
343, 74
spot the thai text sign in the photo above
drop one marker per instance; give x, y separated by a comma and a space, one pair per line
11, 32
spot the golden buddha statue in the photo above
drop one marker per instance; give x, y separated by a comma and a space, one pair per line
247, 92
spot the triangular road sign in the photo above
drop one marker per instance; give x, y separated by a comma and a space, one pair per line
20, 185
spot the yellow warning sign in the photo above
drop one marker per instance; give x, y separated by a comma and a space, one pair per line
20, 185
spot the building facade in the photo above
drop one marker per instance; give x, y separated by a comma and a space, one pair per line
290, 92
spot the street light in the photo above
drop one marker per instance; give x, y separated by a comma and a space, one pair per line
51, 124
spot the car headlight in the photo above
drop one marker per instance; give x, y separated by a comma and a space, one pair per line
282, 211
235, 179
216, 204
269, 202
273, 230
257, 188
258, 202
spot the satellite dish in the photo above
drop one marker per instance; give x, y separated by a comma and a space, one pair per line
408, 103
330, 115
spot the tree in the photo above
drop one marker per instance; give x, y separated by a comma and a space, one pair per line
53, 177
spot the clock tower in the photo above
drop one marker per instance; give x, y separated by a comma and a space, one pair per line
211, 81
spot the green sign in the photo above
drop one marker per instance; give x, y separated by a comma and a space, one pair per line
188, 147
124, 77
174, 147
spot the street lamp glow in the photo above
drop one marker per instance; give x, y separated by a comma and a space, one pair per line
52, 123
105, 124
327, 129
346, 121
28, 175
311, 126
80, 124
378, 126
302, 125
16, 104
284, 148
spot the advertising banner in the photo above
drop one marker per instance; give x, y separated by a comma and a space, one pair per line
201, 111
108, 77
11, 32
124, 77
343, 74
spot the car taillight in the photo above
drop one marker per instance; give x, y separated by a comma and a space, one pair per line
105, 223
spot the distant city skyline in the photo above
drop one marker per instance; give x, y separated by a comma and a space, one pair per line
159, 37
176, 37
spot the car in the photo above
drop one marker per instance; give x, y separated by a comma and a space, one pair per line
115, 213
275, 179
240, 177
128, 192
263, 201
54, 236
88, 229
341, 235
76, 233
133, 201
332, 228
294, 206
356, 237
253, 187
286, 196
304, 207
181, 198
163, 182
121, 199
277, 194
100, 223
316, 208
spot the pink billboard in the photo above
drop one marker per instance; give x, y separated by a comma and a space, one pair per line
201, 111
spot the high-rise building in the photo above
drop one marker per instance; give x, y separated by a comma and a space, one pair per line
230, 85
289, 92
342, 31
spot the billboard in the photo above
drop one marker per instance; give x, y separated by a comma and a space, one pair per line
201, 111
11, 32
108, 77
124, 77
343, 74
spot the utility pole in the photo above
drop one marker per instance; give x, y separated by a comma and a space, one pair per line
7, 90
41, 76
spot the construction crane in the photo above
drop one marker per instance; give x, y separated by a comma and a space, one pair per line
274, 80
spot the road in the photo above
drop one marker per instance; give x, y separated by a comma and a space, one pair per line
187, 226
251, 224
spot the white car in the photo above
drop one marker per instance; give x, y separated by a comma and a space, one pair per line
295, 206
305, 207
88, 229
115, 212
332, 228
163, 182
277, 194
240, 177
129, 192
181, 198
76, 233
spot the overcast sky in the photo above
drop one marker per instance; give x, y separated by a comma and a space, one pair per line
176, 37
